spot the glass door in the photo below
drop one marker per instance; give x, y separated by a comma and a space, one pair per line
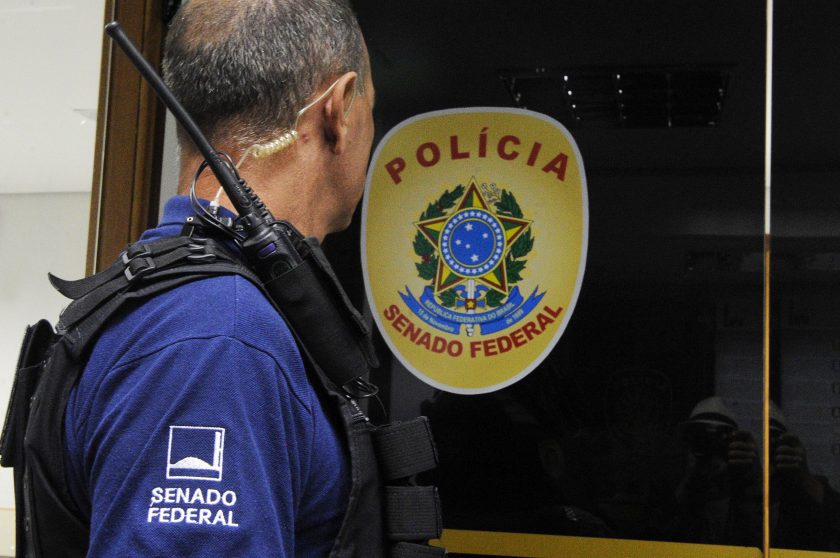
644, 423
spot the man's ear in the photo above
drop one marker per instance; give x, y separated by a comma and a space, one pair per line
337, 110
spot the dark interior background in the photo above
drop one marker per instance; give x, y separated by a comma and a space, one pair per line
671, 305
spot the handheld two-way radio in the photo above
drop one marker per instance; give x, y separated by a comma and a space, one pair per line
265, 241
294, 271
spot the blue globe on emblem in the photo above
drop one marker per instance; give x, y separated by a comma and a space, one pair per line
472, 242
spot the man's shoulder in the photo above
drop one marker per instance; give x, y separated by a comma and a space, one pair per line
224, 306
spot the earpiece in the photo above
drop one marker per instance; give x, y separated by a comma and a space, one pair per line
288, 138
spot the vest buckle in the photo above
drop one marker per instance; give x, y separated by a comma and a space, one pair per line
137, 267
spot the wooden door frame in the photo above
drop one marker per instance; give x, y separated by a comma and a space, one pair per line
129, 136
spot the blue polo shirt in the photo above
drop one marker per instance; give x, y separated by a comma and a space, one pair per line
194, 429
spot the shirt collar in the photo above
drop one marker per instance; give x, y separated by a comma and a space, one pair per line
175, 213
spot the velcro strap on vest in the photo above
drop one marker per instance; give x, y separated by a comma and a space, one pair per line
412, 550
80, 287
404, 449
412, 513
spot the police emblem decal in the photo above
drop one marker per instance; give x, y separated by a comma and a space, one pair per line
474, 236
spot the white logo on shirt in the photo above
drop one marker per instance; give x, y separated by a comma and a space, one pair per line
195, 452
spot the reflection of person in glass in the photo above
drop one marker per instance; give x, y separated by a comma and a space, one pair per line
719, 498
805, 510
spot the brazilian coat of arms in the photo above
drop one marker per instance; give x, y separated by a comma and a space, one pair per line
472, 243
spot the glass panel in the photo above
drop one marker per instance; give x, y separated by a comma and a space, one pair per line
805, 423
614, 434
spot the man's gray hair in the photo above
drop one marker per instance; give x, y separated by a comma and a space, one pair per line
243, 69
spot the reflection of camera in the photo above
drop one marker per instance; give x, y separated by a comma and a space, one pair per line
775, 435
706, 439
777, 427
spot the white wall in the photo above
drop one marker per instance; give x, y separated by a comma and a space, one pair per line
170, 168
50, 67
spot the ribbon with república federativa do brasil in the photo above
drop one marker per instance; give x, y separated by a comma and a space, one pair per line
474, 236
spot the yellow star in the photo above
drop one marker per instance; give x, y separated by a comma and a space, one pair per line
490, 271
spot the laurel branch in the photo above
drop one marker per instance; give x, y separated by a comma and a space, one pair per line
427, 266
514, 261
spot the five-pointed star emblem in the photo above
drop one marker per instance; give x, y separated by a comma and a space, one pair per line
472, 243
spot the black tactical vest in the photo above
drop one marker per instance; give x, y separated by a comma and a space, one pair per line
387, 515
